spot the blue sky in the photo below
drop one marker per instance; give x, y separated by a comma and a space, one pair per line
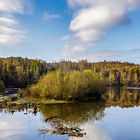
70, 29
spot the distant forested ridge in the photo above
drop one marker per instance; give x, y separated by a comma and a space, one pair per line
20, 72
114, 73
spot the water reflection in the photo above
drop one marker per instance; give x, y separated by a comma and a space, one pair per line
101, 120
11, 129
123, 97
18, 126
94, 132
19, 121
74, 114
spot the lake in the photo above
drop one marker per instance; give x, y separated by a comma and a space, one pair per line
116, 119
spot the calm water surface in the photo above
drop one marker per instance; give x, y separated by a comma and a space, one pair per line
117, 119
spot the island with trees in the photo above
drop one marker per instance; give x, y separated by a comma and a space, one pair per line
65, 80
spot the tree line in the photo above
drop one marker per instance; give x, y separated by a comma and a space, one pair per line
114, 72
20, 72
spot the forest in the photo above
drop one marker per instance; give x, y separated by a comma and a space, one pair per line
113, 72
21, 72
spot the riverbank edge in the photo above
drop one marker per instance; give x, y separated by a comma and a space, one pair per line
15, 100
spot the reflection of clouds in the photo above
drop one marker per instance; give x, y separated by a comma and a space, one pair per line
8, 129
93, 132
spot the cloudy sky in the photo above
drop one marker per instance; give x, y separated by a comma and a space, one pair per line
71, 29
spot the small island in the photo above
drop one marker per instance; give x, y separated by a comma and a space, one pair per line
70, 86
64, 81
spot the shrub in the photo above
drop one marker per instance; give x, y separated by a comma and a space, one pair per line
73, 85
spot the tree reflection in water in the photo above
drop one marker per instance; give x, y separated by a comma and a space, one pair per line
79, 113
123, 97
82, 115
74, 114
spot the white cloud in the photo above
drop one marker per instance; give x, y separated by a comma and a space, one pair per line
47, 16
11, 39
89, 35
10, 28
72, 50
9, 129
11, 35
15, 6
12, 6
8, 21
93, 18
94, 132
97, 18
7, 30
128, 4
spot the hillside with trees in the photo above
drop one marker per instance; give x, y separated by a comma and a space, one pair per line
20, 72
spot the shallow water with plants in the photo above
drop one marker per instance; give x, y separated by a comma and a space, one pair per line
112, 119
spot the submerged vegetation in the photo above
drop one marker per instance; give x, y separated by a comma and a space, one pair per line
73, 85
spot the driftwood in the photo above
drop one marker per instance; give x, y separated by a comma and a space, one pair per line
50, 118
64, 130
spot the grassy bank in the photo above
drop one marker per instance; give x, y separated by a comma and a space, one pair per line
69, 86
